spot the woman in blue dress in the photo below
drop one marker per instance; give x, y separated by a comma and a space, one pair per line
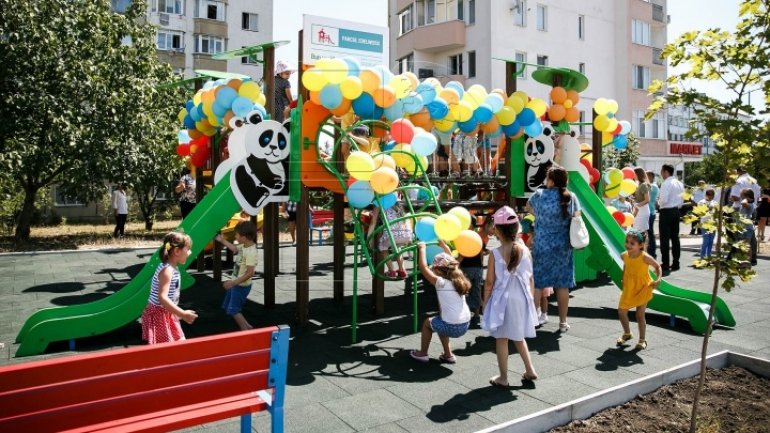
553, 207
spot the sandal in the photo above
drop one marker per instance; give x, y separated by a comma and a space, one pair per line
392, 274
641, 345
447, 359
623, 338
526, 377
494, 382
416, 357
563, 327
401, 274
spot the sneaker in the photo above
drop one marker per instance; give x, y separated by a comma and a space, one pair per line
563, 327
416, 357
542, 319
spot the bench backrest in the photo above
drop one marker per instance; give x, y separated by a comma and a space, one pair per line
320, 216
82, 390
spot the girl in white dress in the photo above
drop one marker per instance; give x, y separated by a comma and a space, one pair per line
509, 311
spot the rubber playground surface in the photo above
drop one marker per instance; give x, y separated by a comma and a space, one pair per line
373, 385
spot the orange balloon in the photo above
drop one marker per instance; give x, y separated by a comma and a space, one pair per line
235, 83
556, 112
491, 127
316, 97
572, 115
194, 133
343, 108
226, 118
558, 95
573, 96
370, 80
421, 119
384, 96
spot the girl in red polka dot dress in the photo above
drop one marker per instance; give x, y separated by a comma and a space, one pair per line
160, 319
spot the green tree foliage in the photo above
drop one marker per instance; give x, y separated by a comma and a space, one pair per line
620, 158
741, 62
79, 98
709, 169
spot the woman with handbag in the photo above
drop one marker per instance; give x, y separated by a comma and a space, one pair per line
554, 208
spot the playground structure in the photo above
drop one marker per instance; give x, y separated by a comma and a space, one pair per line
309, 169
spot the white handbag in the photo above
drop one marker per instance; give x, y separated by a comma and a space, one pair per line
578, 233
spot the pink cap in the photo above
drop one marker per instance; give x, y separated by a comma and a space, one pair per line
505, 215
444, 260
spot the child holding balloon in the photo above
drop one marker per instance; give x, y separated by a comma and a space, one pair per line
509, 310
454, 316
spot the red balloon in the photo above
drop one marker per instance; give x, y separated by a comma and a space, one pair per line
402, 130
595, 175
619, 217
183, 150
617, 130
628, 173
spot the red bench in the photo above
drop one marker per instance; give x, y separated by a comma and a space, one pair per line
319, 222
150, 388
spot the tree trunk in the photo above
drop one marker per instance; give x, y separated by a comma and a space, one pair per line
148, 224
24, 222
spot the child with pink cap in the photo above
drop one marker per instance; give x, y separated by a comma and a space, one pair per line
454, 315
509, 310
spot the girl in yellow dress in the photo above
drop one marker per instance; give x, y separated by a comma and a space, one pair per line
637, 285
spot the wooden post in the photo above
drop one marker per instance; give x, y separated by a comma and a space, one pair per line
303, 259
339, 248
270, 212
510, 87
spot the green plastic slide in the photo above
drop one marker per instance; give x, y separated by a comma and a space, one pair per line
608, 242
126, 305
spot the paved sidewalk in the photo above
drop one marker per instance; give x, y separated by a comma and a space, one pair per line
336, 386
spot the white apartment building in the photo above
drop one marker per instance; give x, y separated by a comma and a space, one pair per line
615, 43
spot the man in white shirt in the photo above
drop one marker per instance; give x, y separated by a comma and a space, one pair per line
743, 181
669, 202
120, 206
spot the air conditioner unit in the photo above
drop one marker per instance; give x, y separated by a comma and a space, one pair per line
423, 73
163, 18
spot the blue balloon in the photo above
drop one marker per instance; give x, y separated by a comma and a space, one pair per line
188, 122
360, 194
534, 129
331, 96
388, 146
512, 129
526, 117
620, 142
387, 200
196, 114
483, 113
424, 143
427, 92
423, 194
242, 106
225, 96
468, 126
457, 86
412, 103
438, 108
365, 108
219, 109
431, 251
189, 105
425, 229
354, 67
183, 136
395, 111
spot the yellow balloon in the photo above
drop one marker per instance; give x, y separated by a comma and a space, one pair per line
250, 90
313, 80
335, 71
449, 95
601, 122
612, 106
197, 97
463, 215
351, 87
612, 125
629, 219
360, 165
538, 106
506, 115
444, 125
413, 80
401, 153
516, 103
384, 160
447, 227
464, 111
627, 187
468, 243
384, 180
261, 99
472, 100
182, 114
601, 106
401, 86
612, 209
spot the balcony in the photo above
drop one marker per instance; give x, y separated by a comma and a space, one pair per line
210, 27
657, 14
434, 38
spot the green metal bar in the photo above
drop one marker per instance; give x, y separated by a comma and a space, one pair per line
354, 325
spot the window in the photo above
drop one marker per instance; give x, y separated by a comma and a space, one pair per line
581, 27
638, 119
213, 10
582, 68
406, 64
471, 64
471, 11
62, 199
658, 128
249, 60
405, 20
209, 44
120, 6
520, 13
542, 60
521, 67
250, 22
168, 6
460, 11
640, 32
641, 78
168, 41
542, 18
456, 64
430, 11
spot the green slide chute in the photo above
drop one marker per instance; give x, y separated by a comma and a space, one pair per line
608, 242
126, 305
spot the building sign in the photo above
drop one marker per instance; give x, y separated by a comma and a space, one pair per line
331, 38
676, 148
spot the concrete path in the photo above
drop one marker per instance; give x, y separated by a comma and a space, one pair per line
373, 385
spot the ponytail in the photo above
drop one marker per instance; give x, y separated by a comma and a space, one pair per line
558, 176
509, 233
173, 240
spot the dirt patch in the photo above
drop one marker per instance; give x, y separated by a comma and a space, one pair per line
733, 400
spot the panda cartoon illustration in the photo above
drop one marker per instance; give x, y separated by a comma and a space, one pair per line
538, 156
258, 162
